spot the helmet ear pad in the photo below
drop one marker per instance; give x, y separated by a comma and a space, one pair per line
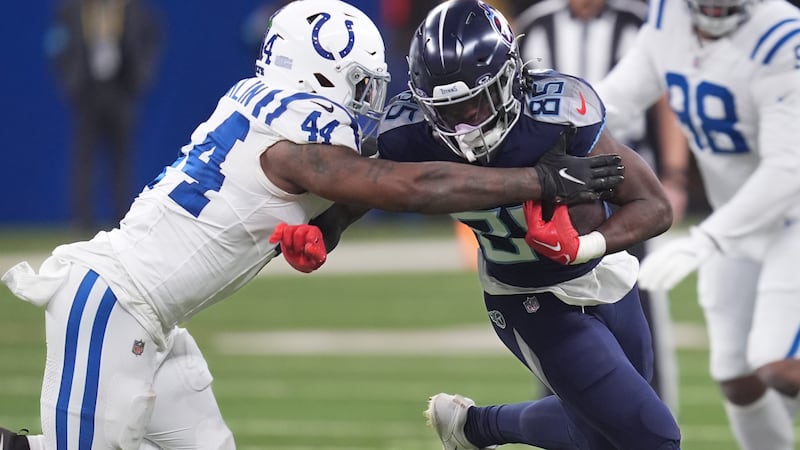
326, 47
463, 63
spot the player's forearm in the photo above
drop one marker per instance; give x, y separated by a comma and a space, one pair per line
441, 187
763, 200
644, 209
338, 174
335, 220
635, 222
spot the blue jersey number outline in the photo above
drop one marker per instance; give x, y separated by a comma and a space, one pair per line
203, 164
711, 128
314, 132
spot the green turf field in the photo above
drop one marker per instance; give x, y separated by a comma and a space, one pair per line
345, 400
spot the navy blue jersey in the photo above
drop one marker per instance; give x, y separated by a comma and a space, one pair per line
552, 104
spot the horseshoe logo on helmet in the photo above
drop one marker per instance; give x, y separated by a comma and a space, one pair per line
315, 38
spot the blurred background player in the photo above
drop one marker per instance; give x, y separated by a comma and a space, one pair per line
586, 38
732, 72
565, 305
279, 148
104, 53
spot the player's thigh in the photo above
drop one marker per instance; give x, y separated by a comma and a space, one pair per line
186, 414
99, 370
726, 289
581, 360
776, 321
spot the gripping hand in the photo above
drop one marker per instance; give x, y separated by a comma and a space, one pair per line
302, 246
670, 263
571, 179
557, 238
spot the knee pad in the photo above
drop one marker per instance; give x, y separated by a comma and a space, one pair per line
215, 435
127, 412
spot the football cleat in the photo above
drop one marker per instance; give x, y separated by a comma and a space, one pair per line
447, 414
13, 441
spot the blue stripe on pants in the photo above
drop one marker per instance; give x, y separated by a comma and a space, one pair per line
70, 352
93, 370
92, 379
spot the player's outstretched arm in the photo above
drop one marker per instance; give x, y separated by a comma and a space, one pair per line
338, 174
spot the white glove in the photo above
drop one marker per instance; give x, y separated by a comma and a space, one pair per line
665, 267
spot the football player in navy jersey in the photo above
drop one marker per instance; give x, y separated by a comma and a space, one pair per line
560, 295
278, 149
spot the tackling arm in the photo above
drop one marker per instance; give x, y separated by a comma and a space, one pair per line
335, 220
339, 174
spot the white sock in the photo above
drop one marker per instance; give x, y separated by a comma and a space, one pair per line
792, 404
36, 442
763, 424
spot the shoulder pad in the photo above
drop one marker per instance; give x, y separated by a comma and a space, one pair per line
772, 35
303, 117
400, 110
554, 97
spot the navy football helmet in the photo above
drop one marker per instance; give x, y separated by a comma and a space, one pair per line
463, 67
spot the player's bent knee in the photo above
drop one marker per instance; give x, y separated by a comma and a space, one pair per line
215, 435
781, 376
664, 433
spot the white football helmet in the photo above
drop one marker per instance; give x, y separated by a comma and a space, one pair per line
716, 18
330, 48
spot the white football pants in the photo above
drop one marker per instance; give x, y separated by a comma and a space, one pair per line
106, 385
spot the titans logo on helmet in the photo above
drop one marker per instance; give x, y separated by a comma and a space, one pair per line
499, 23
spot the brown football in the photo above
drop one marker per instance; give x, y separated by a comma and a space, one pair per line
585, 217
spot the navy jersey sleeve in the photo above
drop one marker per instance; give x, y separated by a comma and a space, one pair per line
560, 99
404, 135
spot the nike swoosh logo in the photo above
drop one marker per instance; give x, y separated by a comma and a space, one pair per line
328, 108
555, 248
582, 109
563, 173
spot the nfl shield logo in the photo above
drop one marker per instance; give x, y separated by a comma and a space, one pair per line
138, 347
531, 304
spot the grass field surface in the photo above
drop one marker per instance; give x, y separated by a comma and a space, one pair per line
293, 370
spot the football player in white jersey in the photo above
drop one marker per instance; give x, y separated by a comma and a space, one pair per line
732, 72
279, 149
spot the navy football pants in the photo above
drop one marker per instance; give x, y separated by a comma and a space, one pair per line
598, 361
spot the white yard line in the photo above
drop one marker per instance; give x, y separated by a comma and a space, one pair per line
463, 341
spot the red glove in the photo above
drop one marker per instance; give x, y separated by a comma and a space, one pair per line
302, 246
556, 239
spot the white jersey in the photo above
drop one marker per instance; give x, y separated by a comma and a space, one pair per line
737, 98
200, 231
